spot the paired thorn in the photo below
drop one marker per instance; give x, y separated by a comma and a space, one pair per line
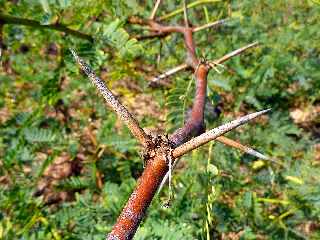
211, 64
228, 142
169, 73
235, 53
113, 102
210, 25
246, 149
154, 11
214, 133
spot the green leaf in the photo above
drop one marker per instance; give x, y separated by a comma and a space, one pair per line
115, 36
34, 135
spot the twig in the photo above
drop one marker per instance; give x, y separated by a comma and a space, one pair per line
150, 36
214, 133
113, 102
164, 34
190, 5
156, 6
157, 155
6, 19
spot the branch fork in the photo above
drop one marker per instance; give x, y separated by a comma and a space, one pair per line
157, 151
162, 152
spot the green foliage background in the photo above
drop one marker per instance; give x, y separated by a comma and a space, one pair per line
218, 191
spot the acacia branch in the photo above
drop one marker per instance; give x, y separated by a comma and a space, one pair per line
151, 36
163, 29
6, 19
163, 151
152, 176
113, 102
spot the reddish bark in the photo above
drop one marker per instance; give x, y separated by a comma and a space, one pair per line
147, 185
195, 124
157, 166
160, 151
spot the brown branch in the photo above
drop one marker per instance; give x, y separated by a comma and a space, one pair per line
195, 124
133, 212
114, 103
133, 20
156, 169
6, 19
163, 29
151, 36
157, 27
192, 59
213, 134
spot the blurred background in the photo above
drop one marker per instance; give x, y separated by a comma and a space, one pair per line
68, 165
